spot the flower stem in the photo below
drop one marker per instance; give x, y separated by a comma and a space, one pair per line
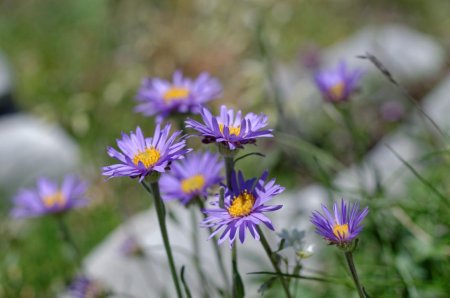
351, 266
68, 239
160, 212
238, 285
229, 166
271, 256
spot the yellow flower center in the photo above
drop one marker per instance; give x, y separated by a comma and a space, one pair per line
149, 157
233, 130
337, 90
192, 184
54, 200
175, 93
242, 205
340, 231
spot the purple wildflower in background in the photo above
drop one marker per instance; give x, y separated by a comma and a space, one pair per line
84, 287
233, 132
142, 156
183, 95
130, 247
50, 198
342, 226
191, 177
243, 208
336, 85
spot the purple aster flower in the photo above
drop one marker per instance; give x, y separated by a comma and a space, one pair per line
343, 226
182, 95
131, 247
84, 287
232, 132
50, 198
243, 208
336, 85
191, 177
142, 156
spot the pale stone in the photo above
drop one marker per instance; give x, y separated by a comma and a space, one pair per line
30, 148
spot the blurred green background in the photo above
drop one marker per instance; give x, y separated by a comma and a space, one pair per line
79, 63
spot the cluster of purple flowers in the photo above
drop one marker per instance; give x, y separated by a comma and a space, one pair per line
187, 177
193, 177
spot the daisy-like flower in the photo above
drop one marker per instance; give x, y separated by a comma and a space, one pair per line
243, 208
342, 226
142, 156
191, 177
336, 85
230, 131
50, 198
183, 95
131, 247
84, 287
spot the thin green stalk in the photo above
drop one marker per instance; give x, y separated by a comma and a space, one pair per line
229, 166
160, 212
68, 239
428, 184
180, 123
238, 285
351, 266
271, 256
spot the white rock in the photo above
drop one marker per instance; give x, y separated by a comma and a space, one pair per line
410, 55
150, 277
30, 148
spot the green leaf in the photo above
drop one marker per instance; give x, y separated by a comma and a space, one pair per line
185, 285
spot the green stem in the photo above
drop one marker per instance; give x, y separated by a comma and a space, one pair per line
238, 286
180, 123
229, 166
271, 256
160, 212
351, 266
68, 239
